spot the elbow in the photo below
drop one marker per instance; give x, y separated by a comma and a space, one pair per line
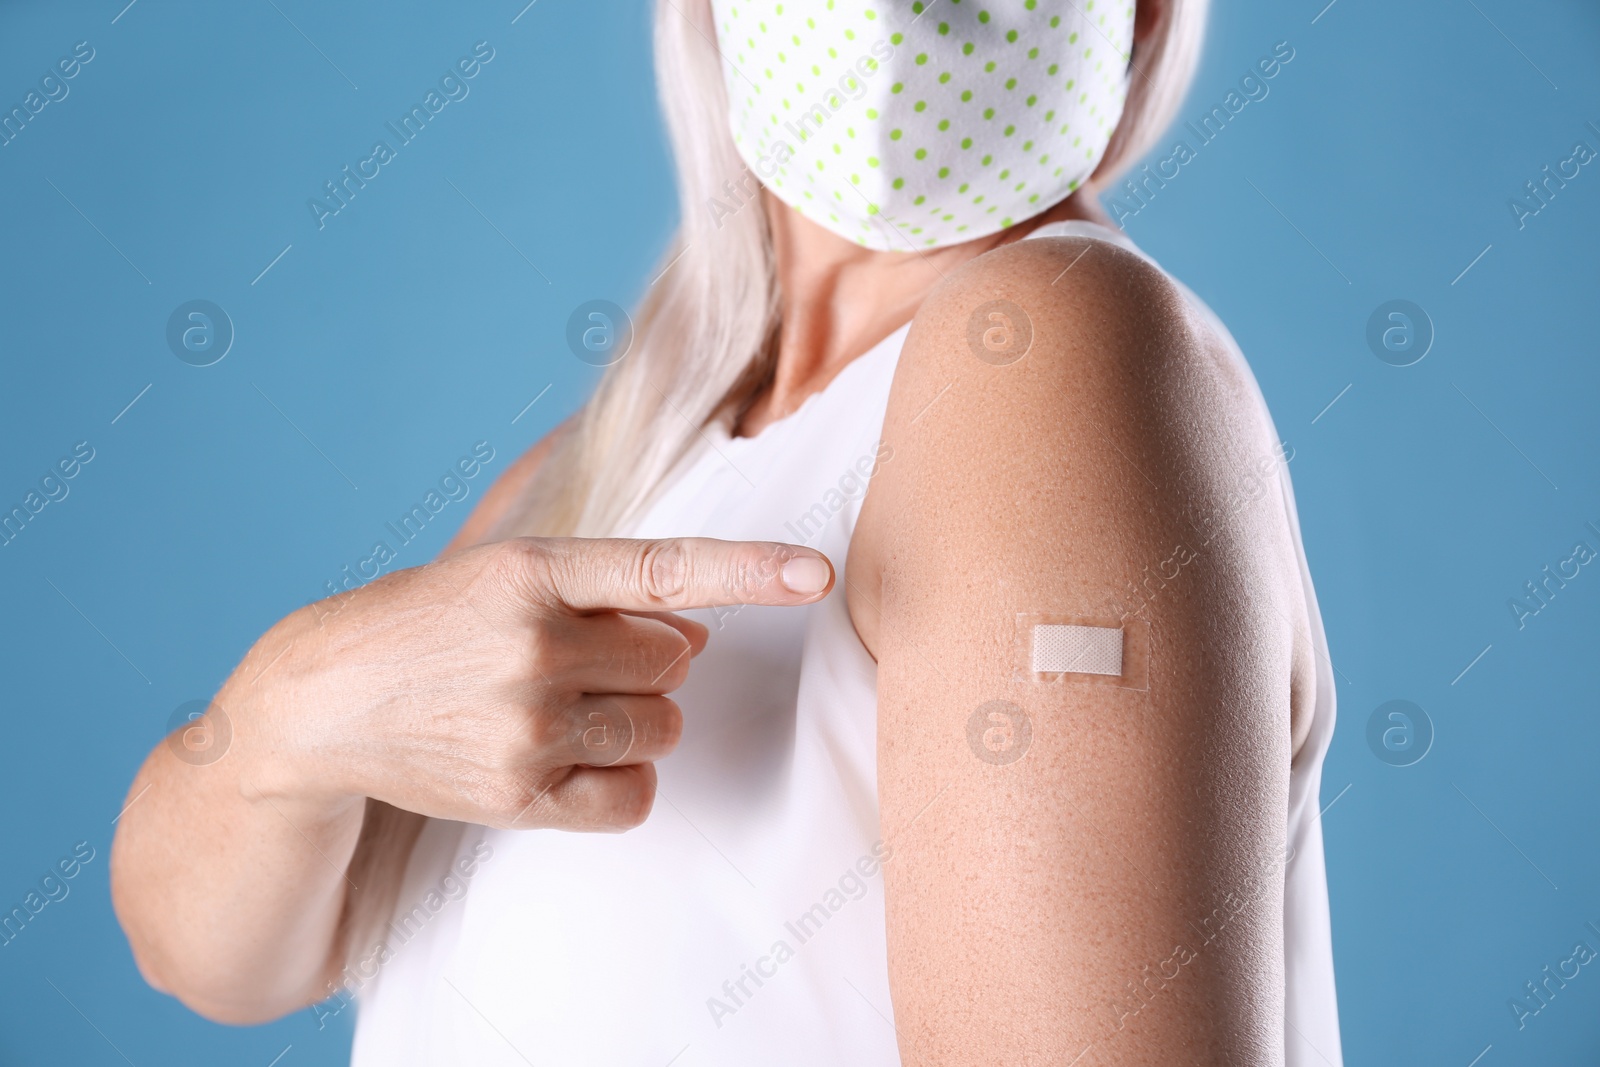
126, 886
228, 1013
210, 991
187, 966
208, 987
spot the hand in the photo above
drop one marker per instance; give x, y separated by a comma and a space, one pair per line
517, 684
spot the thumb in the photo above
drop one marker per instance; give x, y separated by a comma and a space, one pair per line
673, 574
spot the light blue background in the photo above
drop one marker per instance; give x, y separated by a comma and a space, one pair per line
409, 328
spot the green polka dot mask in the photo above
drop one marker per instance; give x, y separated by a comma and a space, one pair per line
908, 125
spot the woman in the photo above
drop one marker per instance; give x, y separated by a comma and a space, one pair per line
1034, 780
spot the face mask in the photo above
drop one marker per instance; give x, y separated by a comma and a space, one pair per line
904, 126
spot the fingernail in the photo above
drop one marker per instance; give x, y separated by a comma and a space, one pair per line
806, 574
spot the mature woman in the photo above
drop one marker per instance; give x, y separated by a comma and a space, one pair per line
1027, 774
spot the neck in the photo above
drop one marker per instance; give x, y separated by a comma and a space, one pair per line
838, 299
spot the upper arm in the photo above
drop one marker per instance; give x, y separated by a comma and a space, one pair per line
1117, 886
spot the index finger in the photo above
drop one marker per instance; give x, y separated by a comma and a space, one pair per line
676, 573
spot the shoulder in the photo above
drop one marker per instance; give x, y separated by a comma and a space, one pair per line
1061, 410
1043, 310
1068, 355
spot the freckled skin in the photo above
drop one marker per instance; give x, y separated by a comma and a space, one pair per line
1024, 898
1105, 891
1108, 898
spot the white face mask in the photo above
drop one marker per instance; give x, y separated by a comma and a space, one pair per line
909, 125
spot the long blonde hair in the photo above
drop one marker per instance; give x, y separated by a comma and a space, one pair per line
703, 334
703, 346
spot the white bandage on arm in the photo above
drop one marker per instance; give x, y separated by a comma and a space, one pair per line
1108, 651
1061, 647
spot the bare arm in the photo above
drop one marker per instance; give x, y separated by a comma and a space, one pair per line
233, 899
516, 684
1098, 871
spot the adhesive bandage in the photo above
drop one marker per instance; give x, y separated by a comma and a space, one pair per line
1060, 648
1076, 648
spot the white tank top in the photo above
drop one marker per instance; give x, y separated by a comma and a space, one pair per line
743, 923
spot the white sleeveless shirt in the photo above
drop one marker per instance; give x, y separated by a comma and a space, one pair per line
743, 923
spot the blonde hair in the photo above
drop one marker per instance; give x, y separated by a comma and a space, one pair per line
703, 334
703, 347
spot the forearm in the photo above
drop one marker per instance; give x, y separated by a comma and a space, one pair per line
235, 883
231, 896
